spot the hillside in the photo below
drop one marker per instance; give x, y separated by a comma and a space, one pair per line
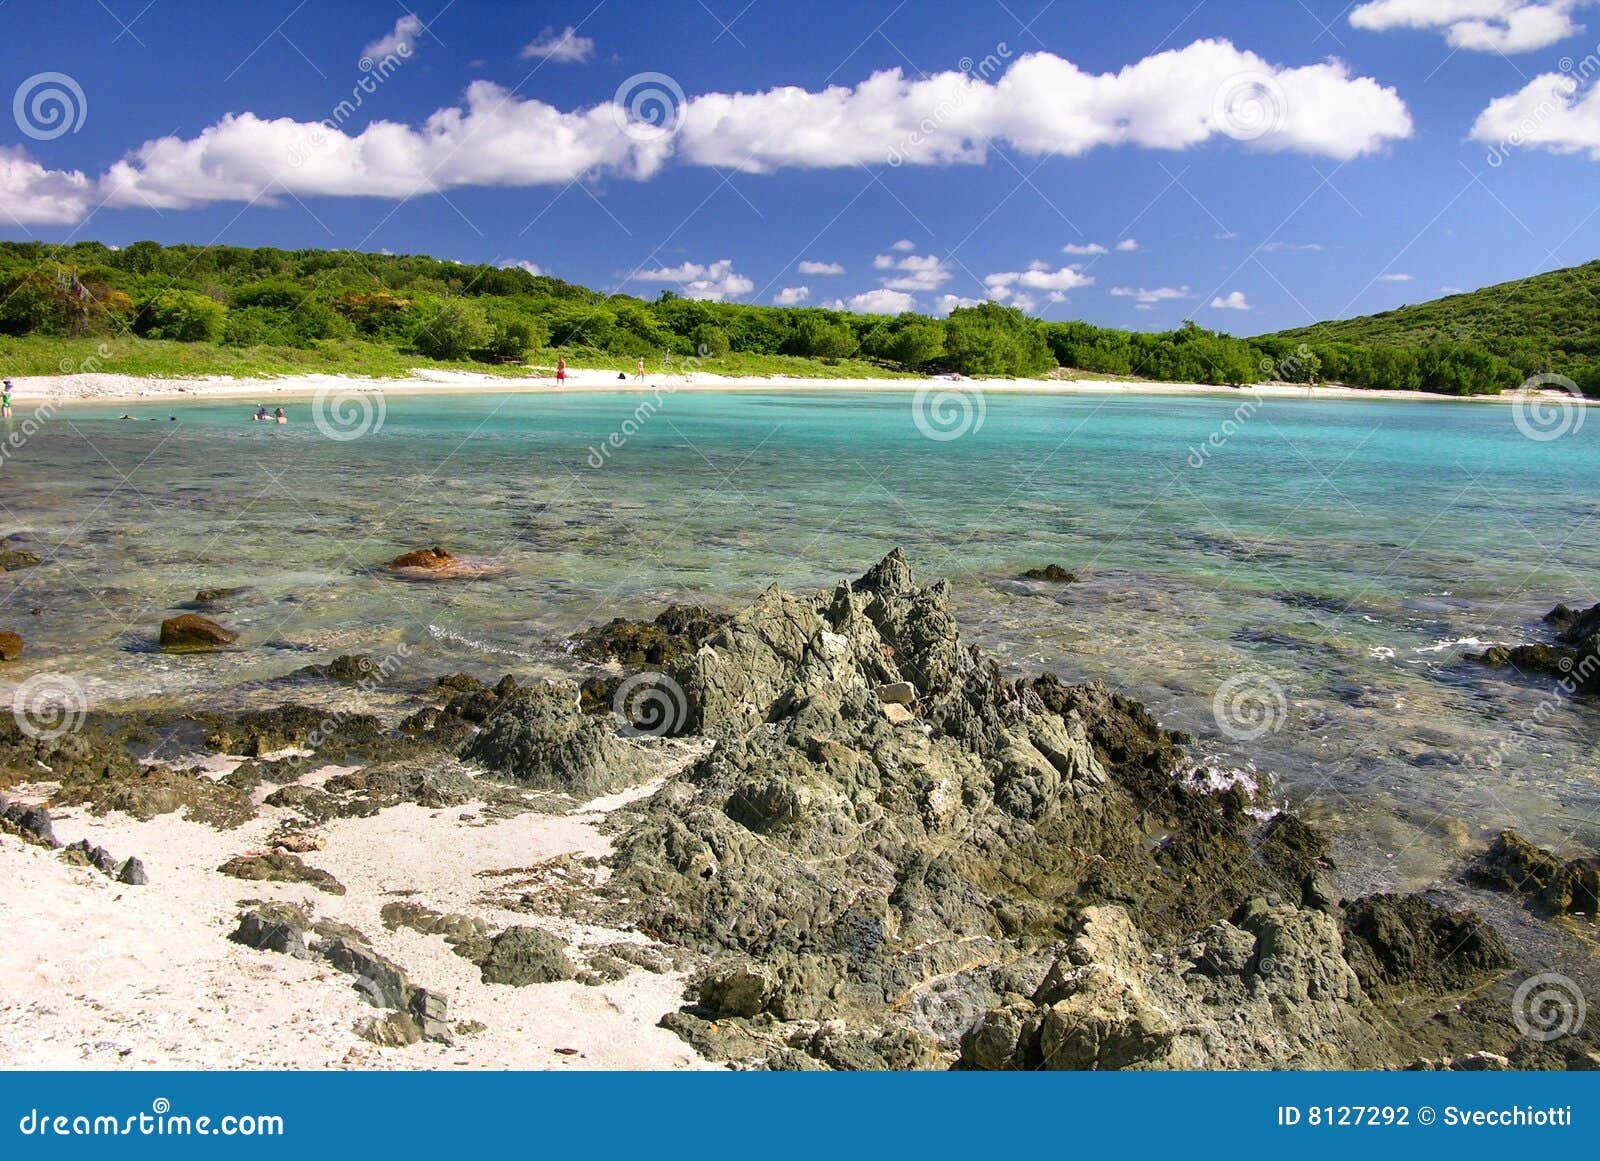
148, 309
1546, 323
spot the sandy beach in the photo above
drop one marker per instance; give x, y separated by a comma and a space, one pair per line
100, 388
104, 975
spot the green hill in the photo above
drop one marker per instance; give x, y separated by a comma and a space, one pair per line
1549, 323
147, 309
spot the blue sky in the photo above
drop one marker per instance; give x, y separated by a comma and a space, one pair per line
1272, 162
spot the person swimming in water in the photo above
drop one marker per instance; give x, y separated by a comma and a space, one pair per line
280, 416
261, 411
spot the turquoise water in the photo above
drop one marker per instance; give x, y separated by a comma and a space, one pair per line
1338, 552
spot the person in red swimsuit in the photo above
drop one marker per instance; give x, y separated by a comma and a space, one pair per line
561, 371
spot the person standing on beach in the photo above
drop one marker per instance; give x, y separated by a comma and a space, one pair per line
561, 371
639, 375
5, 401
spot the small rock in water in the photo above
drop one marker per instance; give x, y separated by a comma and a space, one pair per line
192, 633
10, 646
435, 557
1053, 573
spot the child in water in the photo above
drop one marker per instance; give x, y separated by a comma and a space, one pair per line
5, 401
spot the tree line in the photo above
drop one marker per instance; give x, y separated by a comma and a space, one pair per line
261, 297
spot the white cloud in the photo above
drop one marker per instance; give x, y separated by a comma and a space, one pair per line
1291, 247
1476, 25
1150, 297
946, 303
904, 245
1394, 278
1128, 245
1042, 105
1550, 112
401, 42
809, 267
564, 47
1038, 276
1083, 248
792, 295
876, 302
30, 194
917, 271
496, 140
1234, 301
714, 282
522, 264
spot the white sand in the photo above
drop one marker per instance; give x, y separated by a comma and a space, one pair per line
101, 975
108, 388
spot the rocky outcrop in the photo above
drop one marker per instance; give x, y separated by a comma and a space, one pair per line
539, 738
192, 633
526, 955
893, 841
1515, 865
1573, 659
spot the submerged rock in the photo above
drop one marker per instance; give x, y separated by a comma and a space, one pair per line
677, 630
10, 646
1573, 660
1515, 865
1053, 573
428, 558
192, 633
13, 559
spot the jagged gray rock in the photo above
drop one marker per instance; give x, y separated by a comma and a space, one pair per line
539, 738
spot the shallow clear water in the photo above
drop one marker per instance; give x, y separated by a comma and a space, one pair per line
1336, 551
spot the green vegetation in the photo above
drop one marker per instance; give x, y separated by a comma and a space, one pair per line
190, 310
1549, 323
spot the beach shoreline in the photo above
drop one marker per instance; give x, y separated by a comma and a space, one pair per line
102, 388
